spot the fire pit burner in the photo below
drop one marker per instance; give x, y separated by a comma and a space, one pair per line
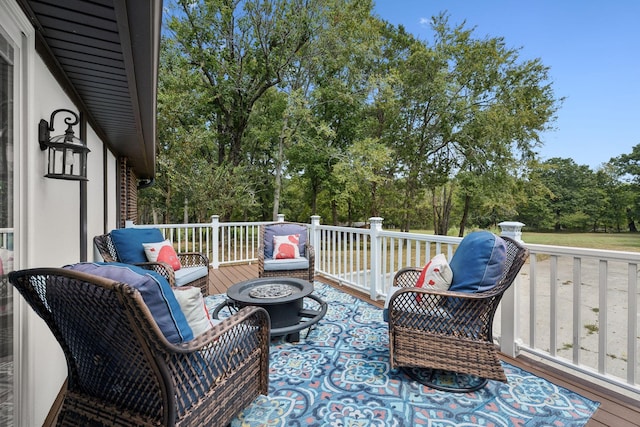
283, 298
276, 290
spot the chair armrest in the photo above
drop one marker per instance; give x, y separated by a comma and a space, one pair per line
406, 277
311, 256
309, 251
443, 312
238, 345
253, 318
193, 259
260, 260
161, 268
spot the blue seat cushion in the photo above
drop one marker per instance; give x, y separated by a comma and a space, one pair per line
188, 274
155, 291
283, 229
286, 264
478, 262
128, 243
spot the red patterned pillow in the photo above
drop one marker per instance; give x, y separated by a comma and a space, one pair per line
162, 252
436, 275
286, 247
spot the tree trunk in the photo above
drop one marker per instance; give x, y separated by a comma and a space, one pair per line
374, 201
408, 199
279, 159
186, 211
465, 215
441, 211
631, 222
167, 206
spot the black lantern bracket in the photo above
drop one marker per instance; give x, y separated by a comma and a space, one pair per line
66, 154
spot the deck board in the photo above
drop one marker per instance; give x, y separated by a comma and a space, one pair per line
615, 410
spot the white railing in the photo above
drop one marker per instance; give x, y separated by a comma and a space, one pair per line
579, 307
224, 243
575, 307
6, 238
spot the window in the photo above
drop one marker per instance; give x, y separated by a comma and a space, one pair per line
6, 230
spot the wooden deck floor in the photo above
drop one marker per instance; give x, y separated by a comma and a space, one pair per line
615, 410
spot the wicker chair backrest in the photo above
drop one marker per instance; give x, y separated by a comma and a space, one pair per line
107, 249
99, 324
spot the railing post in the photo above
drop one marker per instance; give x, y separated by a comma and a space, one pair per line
509, 341
215, 241
280, 217
314, 240
376, 255
511, 229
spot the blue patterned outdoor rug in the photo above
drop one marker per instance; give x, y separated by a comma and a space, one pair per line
339, 375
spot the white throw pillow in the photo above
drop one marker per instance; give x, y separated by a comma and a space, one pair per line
436, 274
194, 309
162, 252
286, 247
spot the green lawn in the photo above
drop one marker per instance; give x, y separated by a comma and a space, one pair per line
609, 241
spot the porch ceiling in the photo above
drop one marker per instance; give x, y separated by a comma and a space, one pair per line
105, 53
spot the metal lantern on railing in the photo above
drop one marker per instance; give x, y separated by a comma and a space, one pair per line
66, 154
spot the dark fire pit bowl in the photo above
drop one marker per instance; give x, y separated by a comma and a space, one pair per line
283, 298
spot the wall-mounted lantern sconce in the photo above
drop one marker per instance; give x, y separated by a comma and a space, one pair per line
66, 154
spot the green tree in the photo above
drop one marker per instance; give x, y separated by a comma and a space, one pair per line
534, 207
240, 49
330, 120
361, 171
628, 167
570, 185
468, 105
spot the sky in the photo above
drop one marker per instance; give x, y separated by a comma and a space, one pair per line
591, 47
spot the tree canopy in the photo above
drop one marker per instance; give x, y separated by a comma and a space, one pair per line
320, 107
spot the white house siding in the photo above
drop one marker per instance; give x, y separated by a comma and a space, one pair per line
48, 230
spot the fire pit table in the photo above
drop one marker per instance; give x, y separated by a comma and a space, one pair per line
283, 298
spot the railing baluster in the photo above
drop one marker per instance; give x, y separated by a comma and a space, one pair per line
602, 316
553, 306
532, 300
577, 312
632, 322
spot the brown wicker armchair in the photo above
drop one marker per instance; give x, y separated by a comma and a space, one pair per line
447, 330
123, 371
188, 260
302, 268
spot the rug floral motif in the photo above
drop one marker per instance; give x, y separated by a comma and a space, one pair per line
339, 375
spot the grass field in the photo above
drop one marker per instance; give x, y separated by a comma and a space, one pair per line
608, 241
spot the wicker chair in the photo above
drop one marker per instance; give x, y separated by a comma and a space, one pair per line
123, 371
267, 267
107, 250
446, 330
